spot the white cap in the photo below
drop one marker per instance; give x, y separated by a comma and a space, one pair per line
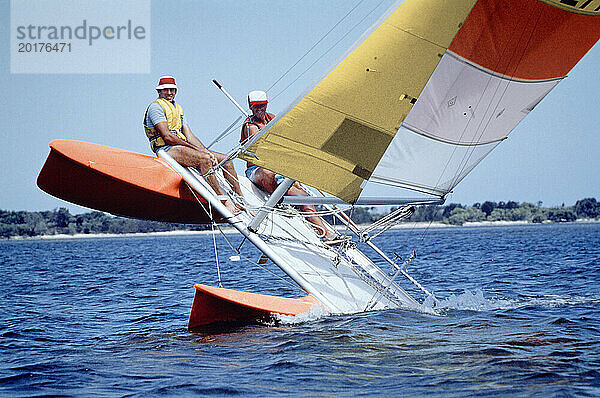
257, 97
166, 82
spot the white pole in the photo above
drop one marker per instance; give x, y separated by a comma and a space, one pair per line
230, 97
277, 194
355, 229
269, 204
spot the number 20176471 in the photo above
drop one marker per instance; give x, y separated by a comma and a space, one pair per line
44, 47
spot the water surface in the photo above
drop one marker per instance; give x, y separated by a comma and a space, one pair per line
519, 315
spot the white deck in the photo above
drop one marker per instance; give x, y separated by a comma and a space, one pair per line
341, 277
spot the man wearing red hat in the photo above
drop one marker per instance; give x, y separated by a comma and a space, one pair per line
167, 129
266, 179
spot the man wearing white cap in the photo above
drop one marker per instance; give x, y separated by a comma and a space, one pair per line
266, 179
167, 129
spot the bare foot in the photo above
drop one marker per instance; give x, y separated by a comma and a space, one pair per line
231, 207
239, 206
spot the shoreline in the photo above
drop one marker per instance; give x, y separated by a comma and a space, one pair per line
231, 230
182, 232
502, 223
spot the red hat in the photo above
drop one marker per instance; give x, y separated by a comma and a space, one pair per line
166, 82
257, 98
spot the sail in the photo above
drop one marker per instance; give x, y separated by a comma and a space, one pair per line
334, 137
505, 59
427, 94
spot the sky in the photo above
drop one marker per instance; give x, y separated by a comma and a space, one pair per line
552, 156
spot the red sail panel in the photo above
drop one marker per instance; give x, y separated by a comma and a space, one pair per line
525, 39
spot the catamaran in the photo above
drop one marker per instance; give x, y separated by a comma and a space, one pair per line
419, 100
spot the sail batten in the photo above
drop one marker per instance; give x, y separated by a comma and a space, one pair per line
500, 75
416, 130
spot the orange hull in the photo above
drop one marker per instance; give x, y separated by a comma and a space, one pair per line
119, 182
214, 304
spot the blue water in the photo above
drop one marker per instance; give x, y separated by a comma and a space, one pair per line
519, 316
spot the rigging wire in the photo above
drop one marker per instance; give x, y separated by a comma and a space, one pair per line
227, 131
256, 263
328, 50
236, 250
209, 213
314, 45
346, 229
212, 225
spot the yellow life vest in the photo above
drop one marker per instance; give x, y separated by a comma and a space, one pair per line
174, 114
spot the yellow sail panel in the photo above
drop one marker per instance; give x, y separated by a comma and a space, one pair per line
333, 138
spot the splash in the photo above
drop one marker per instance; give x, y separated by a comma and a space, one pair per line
553, 300
475, 301
466, 301
316, 312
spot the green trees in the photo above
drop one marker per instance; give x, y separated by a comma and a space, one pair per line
587, 208
562, 214
457, 214
428, 213
61, 221
365, 215
21, 223
488, 207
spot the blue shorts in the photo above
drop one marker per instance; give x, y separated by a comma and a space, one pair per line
252, 169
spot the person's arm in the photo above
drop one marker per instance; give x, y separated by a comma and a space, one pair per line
192, 139
250, 130
170, 138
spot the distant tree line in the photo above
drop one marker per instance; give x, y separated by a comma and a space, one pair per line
60, 221
457, 214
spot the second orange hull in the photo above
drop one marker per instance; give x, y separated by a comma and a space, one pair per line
214, 304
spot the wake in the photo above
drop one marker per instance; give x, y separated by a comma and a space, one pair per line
476, 301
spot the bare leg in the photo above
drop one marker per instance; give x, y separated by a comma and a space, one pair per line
192, 158
267, 180
310, 209
230, 174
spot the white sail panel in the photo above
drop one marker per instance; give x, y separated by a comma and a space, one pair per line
467, 105
426, 165
463, 112
347, 283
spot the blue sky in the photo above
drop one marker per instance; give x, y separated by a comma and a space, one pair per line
552, 156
